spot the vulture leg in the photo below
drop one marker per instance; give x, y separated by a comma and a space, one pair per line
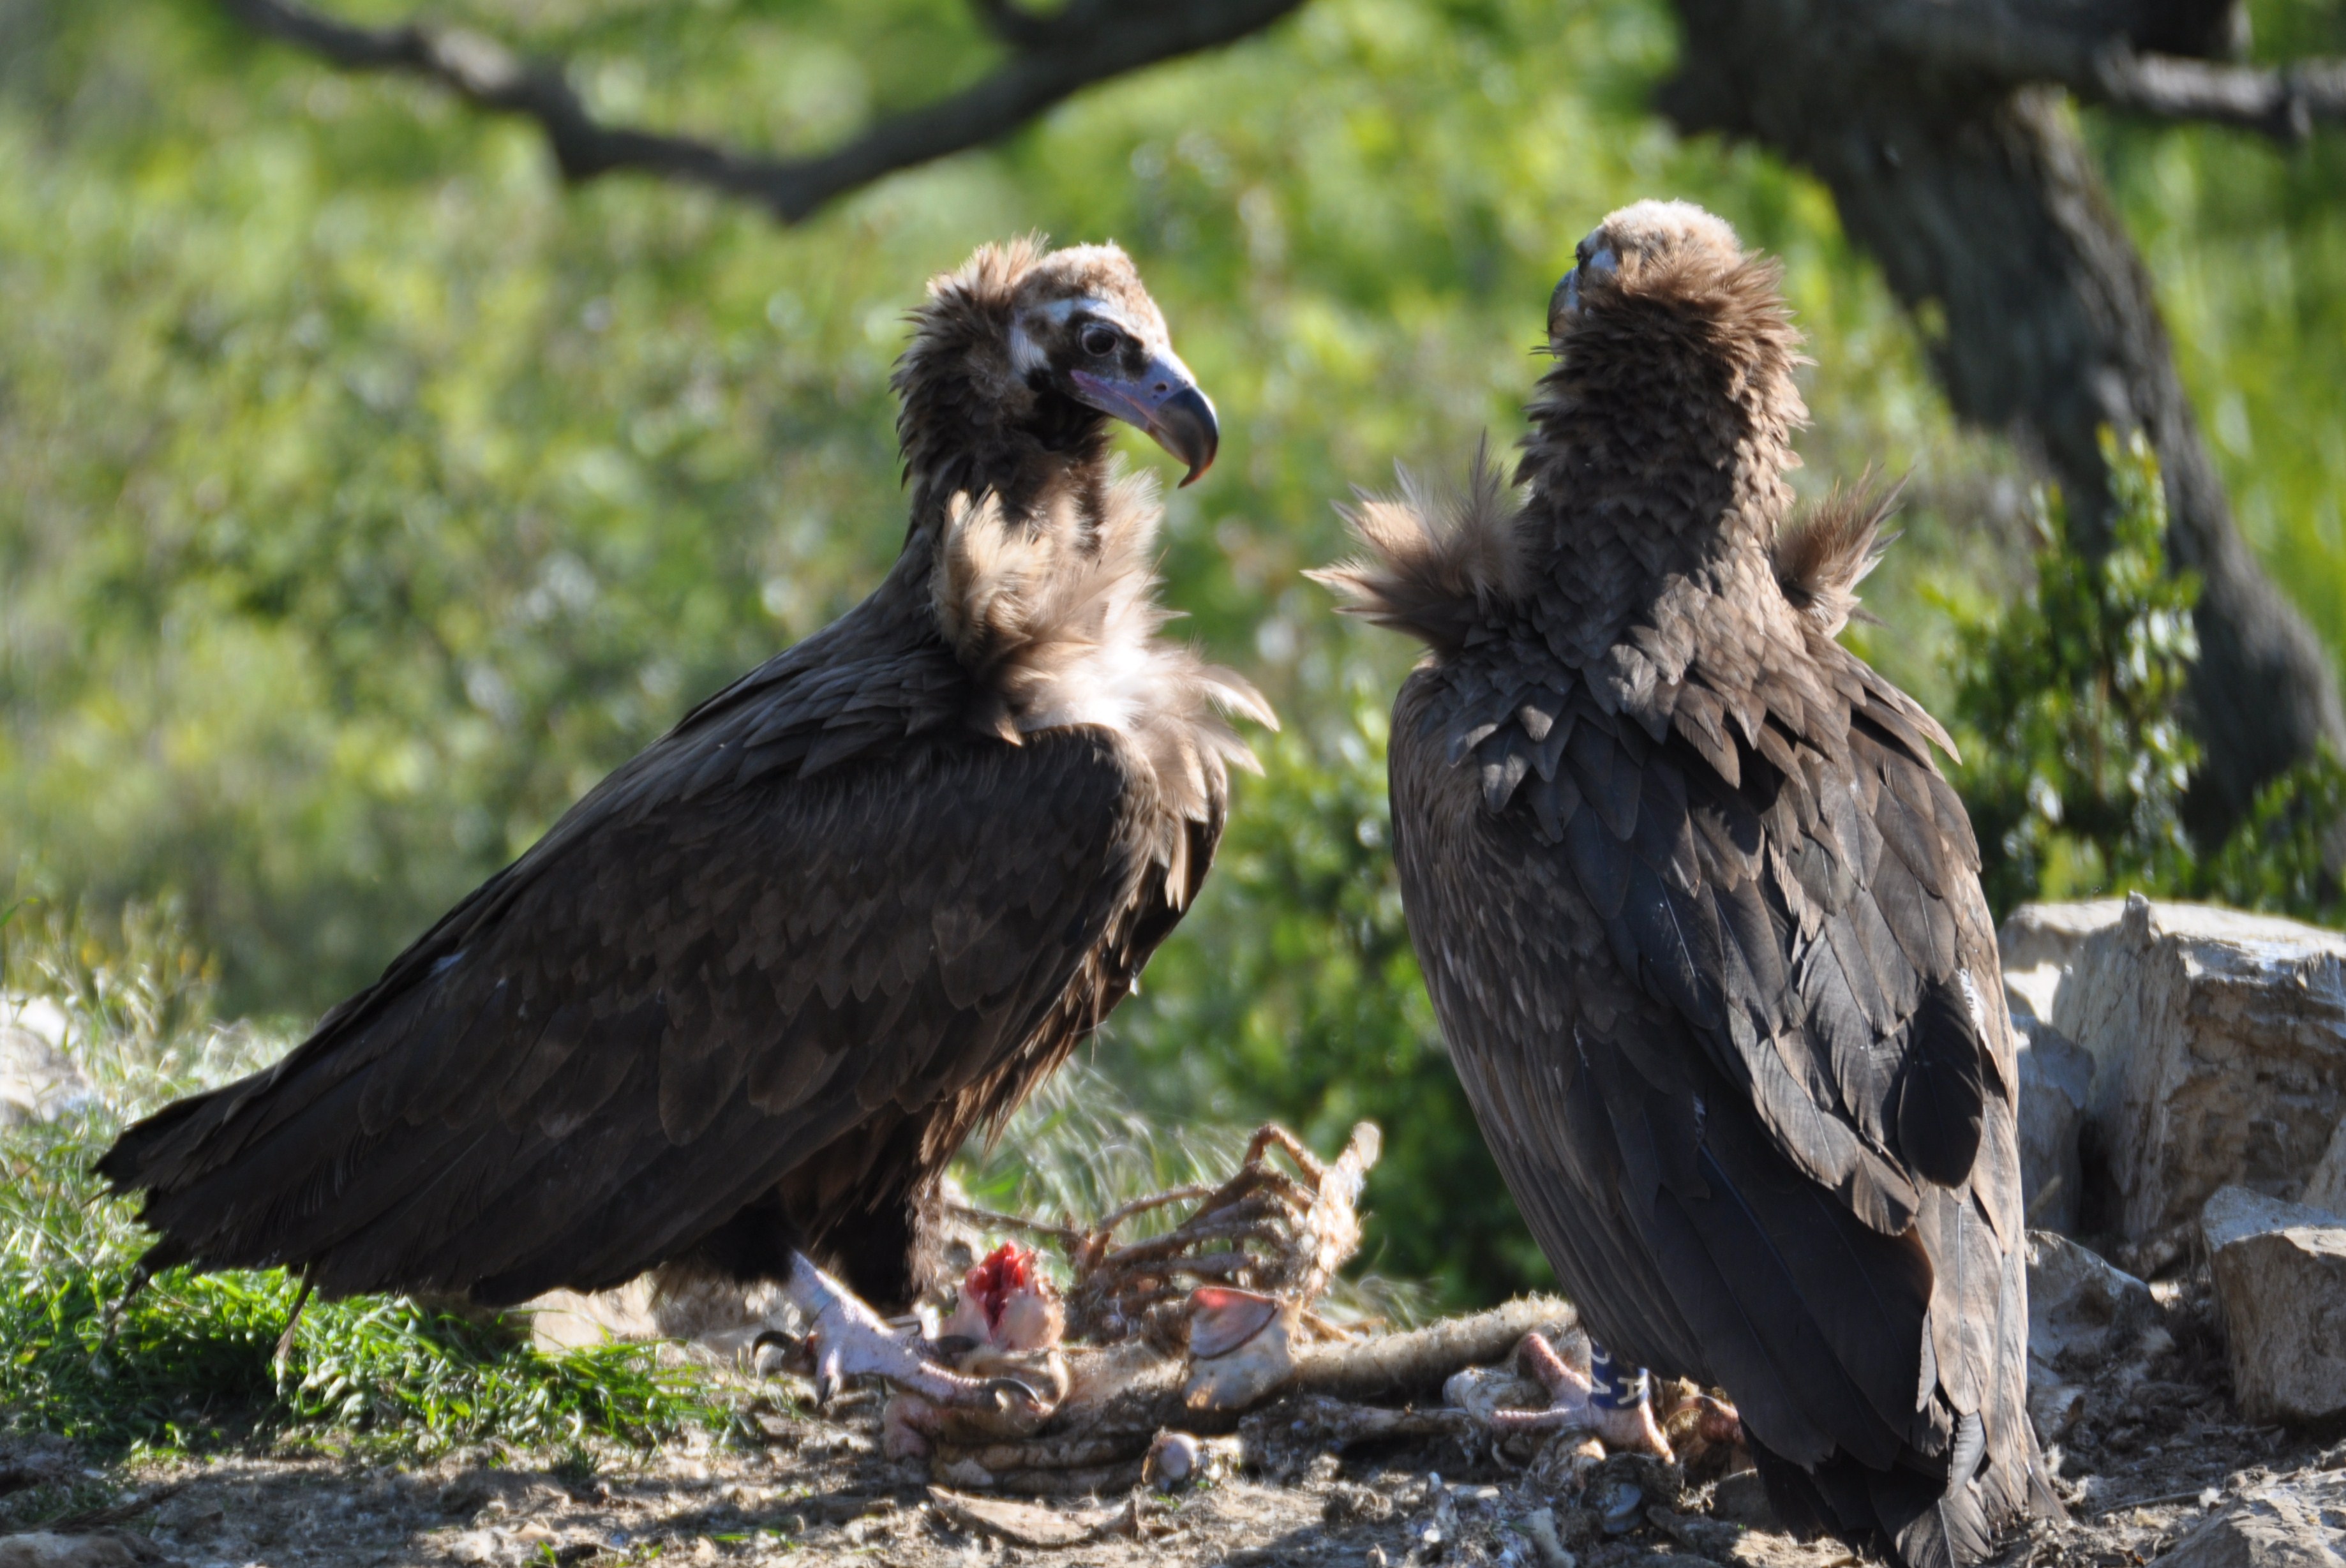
1613, 1406
846, 1339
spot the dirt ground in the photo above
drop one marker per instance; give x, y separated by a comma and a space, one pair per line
2159, 1447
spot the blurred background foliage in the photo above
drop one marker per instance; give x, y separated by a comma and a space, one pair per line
365, 494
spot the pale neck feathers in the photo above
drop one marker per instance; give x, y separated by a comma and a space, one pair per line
1058, 618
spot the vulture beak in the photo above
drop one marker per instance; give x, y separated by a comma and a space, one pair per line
1563, 305
1165, 402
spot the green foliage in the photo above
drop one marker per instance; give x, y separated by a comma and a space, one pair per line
190, 1363
2068, 703
2246, 242
1080, 1148
2069, 706
2284, 857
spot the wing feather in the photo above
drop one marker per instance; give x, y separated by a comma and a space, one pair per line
711, 970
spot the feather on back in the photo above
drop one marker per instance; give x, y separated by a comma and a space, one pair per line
1820, 558
1437, 562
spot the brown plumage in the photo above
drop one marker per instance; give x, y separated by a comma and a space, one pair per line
1700, 918
1820, 558
757, 988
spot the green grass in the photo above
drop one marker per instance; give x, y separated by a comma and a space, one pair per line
190, 1363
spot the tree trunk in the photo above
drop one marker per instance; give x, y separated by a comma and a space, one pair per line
1993, 226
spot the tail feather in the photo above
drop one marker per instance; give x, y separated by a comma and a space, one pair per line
1911, 1515
1931, 1523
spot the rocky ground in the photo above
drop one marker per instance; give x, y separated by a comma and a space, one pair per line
2156, 1465
2184, 1074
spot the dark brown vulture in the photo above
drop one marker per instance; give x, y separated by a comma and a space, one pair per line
1702, 921
743, 1003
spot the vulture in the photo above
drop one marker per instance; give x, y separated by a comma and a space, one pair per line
1701, 919
733, 1014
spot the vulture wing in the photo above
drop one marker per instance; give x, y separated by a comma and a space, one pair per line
1721, 981
821, 915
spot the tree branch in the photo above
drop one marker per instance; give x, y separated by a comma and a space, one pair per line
1053, 57
1988, 41
2285, 103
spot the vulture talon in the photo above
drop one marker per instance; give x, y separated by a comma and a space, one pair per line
789, 1354
1010, 1396
1622, 1420
845, 1339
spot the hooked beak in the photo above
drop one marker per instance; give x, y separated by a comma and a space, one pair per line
1165, 402
1563, 305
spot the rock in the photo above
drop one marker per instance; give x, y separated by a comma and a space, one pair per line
38, 1081
2293, 1524
718, 1315
192, 1516
2055, 1080
2279, 1271
2218, 1042
2326, 1188
2082, 1310
2083, 1314
1021, 1523
2036, 942
103, 1549
1348, 1503
1742, 1498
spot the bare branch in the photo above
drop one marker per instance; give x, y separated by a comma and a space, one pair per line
2286, 103
1053, 57
1989, 42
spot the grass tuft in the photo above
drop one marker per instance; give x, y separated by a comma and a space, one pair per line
190, 1365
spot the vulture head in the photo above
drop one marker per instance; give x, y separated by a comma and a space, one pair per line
1672, 398
1663, 297
1651, 251
1021, 357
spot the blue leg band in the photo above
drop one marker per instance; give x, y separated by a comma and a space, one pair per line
1614, 1387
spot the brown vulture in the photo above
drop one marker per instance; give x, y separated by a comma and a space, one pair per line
1701, 919
739, 1007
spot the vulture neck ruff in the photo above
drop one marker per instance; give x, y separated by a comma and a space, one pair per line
1036, 549
1056, 616
1659, 442
1652, 491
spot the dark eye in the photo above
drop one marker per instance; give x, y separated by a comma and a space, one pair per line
1100, 342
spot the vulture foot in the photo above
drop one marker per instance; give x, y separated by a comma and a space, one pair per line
1577, 1405
846, 1339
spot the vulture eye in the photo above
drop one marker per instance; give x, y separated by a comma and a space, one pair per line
1099, 341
